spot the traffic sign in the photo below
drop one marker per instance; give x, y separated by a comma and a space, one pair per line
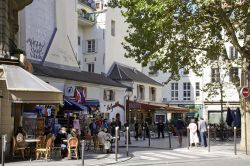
244, 92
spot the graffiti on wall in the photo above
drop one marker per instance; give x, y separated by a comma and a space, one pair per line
37, 49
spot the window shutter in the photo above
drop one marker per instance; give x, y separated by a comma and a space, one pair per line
96, 45
113, 95
104, 95
84, 44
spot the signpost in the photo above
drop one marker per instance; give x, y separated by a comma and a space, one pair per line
245, 93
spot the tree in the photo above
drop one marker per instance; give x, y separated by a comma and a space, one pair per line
185, 33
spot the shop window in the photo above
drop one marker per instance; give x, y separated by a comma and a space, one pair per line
140, 92
109, 95
152, 93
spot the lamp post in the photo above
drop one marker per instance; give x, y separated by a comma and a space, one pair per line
129, 93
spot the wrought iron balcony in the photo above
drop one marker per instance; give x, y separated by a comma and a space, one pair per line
87, 19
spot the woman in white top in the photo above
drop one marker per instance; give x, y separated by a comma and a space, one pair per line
193, 133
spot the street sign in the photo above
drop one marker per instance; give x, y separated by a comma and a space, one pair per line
244, 92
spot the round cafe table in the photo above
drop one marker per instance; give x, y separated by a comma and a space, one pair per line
31, 142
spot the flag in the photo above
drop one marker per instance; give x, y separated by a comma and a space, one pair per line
78, 96
83, 96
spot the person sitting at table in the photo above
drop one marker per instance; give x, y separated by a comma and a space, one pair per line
20, 137
105, 139
74, 133
58, 142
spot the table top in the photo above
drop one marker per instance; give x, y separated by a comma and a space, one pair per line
32, 140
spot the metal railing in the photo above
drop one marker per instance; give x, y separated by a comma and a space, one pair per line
91, 17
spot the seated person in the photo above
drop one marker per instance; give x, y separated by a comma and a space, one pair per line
74, 133
62, 135
20, 137
105, 139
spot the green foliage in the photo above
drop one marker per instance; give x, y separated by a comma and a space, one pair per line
183, 33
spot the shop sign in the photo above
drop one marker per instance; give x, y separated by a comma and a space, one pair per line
134, 105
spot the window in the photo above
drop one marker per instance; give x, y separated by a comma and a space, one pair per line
91, 67
79, 40
140, 92
197, 89
174, 91
152, 93
97, 6
233, 74
109, 95
151, 73
186, 91
91, 46
112, 28
215, 75
233, 53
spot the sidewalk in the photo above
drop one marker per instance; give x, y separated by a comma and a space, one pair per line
99, 158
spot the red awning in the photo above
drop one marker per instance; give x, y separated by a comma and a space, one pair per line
139, 105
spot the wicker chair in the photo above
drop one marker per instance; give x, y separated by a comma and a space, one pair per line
18, 148
73, 144
45, 151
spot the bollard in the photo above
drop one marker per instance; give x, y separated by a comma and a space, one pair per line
127, 138
235, 153
208, 137
116, 142
169, 139
3, 148
83, 144
149, 136
188, 137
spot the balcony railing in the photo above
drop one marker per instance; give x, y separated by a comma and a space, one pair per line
89, 17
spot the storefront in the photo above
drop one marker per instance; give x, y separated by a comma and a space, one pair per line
151, 112
21, 90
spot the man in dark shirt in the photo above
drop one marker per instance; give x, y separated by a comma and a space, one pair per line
179, 126
160, 127
112, 127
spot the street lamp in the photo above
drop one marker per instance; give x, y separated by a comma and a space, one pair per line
128, 94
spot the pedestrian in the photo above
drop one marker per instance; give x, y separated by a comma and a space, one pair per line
112, 127
202, 126
193, 133
160, 128
136, 130
179, 127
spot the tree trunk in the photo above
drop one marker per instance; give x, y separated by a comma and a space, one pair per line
245, 138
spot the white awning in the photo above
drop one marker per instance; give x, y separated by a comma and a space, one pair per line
25, 87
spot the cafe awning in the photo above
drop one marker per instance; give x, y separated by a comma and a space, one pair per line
24, 87
140, 105
72, 102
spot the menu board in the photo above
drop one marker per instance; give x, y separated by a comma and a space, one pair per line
29, 125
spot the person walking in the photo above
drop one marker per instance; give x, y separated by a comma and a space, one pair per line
193, 133
179, 126
160, 128
202, 126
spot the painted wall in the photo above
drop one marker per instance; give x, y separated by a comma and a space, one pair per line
38, 23
109, 48
94, 91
